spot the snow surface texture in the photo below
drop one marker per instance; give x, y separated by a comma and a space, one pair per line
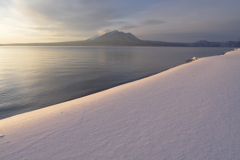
190, 112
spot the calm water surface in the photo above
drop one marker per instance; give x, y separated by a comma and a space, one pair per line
36, 77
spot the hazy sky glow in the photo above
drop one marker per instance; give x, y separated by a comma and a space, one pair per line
163, 20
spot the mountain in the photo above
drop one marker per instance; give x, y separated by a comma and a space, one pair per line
118, 38
94, 37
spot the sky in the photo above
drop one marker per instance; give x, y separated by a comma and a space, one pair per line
28, 21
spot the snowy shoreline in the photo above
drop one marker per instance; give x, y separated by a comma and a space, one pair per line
187, 112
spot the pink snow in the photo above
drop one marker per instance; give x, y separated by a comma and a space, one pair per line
188, 112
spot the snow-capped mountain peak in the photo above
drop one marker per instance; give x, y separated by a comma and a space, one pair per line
117, 38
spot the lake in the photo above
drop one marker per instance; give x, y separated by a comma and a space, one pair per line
36, 77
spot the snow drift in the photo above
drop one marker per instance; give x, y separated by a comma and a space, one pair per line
188, 112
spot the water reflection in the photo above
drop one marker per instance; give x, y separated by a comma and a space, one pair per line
35, 77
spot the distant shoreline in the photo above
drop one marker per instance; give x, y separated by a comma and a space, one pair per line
148, 43
118, 38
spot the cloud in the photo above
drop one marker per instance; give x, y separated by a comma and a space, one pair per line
152, 22
144, 23
188, 20
128, 27
148, 19
103, 31
74, 15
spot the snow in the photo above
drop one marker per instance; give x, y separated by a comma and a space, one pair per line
185, 113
